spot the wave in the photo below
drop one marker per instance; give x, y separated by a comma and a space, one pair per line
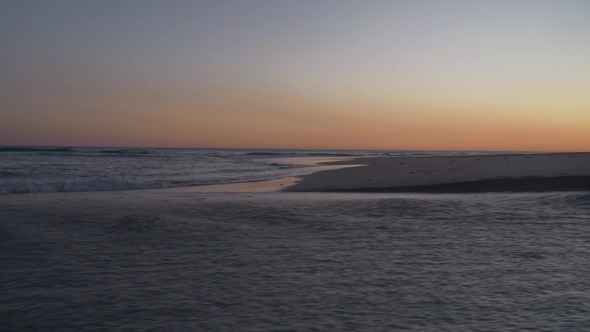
579, 200
287, 166
303, 154
114, 184
125, 151
265, 153
335, 154
24, 149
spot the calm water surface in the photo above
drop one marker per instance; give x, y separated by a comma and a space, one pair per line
162, 260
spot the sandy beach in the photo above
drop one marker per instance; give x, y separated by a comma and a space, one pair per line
455, 174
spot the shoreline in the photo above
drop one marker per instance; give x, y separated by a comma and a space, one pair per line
525, 172
541, 172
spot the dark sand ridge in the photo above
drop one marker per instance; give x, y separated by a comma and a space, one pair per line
489, 173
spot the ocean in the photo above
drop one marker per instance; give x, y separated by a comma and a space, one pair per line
64, 169
182, 260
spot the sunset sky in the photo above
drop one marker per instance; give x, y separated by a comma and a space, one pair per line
428, 75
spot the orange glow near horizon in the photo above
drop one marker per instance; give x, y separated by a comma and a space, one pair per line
501, 75
255, 120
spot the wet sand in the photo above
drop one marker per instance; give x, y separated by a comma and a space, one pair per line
455, 174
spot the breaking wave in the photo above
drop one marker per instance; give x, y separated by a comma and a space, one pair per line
125, 151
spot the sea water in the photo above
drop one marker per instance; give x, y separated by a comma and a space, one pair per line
295, 262
63, 169
170, 259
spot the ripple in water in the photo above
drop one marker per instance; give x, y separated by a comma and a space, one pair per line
322, 262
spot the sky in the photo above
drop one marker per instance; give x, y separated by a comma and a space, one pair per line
310, 74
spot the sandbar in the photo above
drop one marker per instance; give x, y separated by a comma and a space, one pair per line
455, 174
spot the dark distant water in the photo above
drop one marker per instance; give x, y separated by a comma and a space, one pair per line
295, 262
62, 169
